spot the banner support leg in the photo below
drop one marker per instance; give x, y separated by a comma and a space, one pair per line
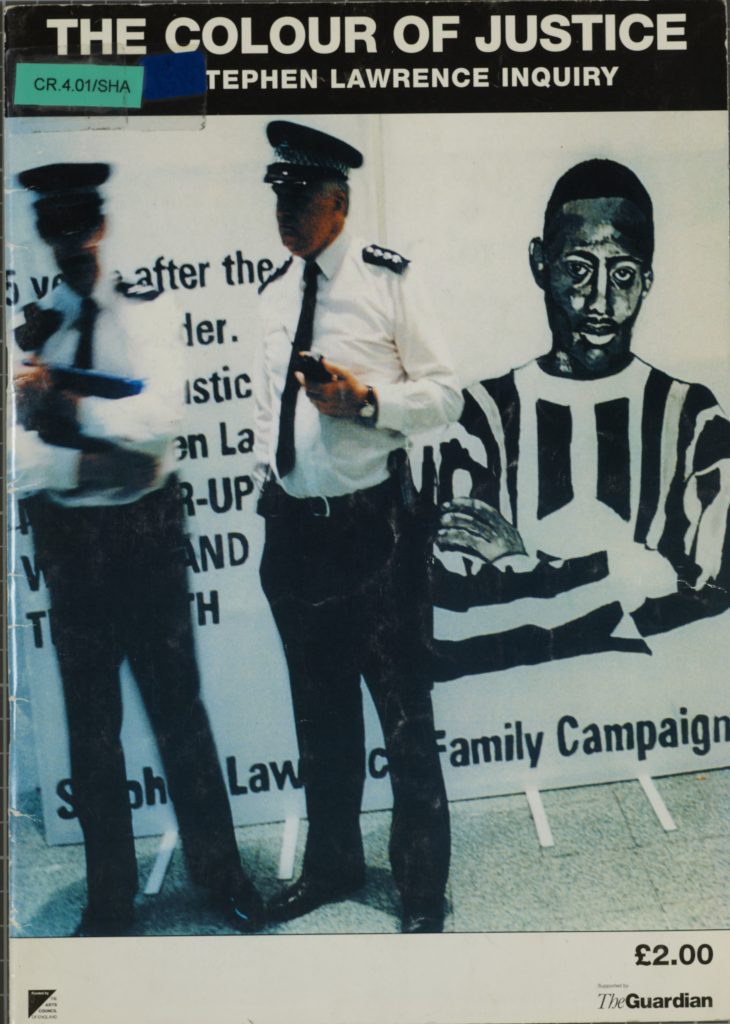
159, 868
657, 803
288, 848
537, 808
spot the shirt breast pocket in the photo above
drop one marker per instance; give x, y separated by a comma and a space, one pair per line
359, 345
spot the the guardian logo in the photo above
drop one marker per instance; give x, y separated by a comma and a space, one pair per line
633, 1001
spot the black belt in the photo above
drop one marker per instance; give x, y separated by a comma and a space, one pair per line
275, 502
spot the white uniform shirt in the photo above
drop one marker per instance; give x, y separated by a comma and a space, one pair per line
377, 324
133, 337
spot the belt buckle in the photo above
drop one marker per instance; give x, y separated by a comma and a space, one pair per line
327, 508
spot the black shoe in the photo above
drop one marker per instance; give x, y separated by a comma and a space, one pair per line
243, 909
107, 923
308, 893
420, 923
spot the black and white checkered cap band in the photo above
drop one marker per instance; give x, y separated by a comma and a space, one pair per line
301, 158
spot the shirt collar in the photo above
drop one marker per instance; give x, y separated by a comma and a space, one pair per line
65, 300
68, 302
330, 259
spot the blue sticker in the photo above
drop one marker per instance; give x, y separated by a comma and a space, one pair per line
171, 76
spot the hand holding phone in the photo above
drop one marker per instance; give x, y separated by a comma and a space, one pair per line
312, 368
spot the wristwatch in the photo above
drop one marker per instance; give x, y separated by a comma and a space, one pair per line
369, 408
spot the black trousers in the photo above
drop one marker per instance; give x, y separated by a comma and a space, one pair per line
119, 589
346, 593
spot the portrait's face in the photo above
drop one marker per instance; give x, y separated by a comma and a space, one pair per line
77, 257
309, 217
593, 269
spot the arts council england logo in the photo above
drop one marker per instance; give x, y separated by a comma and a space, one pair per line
42, 1004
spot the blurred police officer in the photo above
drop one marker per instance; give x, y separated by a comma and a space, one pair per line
108, 534
352, 364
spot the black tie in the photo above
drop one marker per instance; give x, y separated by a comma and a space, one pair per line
87, 318
285, 456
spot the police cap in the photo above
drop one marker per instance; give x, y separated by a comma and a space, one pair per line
306, 156
68, 201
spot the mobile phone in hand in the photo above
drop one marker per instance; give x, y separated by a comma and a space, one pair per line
312, 369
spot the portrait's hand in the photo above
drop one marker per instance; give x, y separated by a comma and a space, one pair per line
118, 469
343, 396
474, 528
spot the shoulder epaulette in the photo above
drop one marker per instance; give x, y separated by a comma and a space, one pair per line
381, 257
142, 292
279, 272
39, 325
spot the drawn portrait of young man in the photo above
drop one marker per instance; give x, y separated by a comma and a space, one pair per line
588, 489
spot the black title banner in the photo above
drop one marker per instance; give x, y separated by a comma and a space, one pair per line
376, 57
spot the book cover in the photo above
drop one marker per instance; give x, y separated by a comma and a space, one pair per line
503, 504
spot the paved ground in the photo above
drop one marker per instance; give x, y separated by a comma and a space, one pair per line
612, 867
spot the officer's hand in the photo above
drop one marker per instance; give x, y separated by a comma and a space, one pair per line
33, 387
37, 398
118, 469
343, 396
475, 528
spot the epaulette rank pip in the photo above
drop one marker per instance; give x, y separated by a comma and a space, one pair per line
380, 257
279, 272
142, 292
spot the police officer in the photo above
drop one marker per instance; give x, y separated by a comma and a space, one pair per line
352, 364
108, 534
